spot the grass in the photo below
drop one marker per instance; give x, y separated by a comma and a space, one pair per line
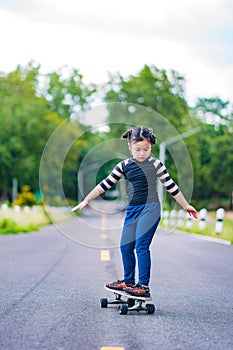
226, 234
12, 222
8, 226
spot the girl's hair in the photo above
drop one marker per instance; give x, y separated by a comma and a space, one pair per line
139, 134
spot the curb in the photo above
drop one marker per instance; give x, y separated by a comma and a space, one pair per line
206, 238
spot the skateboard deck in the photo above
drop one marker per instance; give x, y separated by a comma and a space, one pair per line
129, 303
127, 295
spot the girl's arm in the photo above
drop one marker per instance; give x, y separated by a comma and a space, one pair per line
172, 188
96, 192
184, 204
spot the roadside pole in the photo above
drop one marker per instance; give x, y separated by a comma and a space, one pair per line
80, 179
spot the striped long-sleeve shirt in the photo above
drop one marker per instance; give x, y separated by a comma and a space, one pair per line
141, 179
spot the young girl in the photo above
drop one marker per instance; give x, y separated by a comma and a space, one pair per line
141, 172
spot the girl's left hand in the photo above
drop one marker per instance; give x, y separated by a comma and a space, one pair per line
192, 211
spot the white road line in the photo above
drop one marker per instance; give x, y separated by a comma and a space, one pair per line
105, 255
205, 238
211, 239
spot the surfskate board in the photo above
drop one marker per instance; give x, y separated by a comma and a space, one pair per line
128, 302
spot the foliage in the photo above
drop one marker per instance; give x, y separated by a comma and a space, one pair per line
213, 111
25, 198
28, 119
25, 125
214, 153
32, 106
159, 90
8, 226
66, 93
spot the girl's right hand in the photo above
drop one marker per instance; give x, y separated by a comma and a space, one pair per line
192, 211
80, 206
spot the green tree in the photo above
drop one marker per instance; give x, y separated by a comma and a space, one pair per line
66, 92
214, 149
156, 89
213, 111
25, 125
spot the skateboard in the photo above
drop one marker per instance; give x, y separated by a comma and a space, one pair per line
129, 303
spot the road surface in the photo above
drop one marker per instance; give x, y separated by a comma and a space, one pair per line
52, 280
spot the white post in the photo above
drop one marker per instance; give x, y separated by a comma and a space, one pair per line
26, 209
17, 209
4, 207
165, 217
173, 217
181, 215
202, 216
189, 221
80, 179
219, 223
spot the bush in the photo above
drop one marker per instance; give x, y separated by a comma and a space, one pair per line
26, 197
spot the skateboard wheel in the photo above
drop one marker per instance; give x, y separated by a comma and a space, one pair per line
104, 302
150, 308
123, 309
131, 302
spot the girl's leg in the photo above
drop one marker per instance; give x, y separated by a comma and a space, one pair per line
127, 246
128, 242
146, 228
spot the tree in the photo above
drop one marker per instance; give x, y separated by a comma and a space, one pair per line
214, 150
25, 125
66, 92
156, 89
213, 111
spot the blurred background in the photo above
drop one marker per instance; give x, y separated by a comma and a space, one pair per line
96, 67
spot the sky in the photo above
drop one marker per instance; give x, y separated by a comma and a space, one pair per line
193, 37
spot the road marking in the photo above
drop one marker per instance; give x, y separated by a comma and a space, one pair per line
105, 255
112, 348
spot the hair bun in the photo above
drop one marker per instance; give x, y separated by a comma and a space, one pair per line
127, 134
139, 134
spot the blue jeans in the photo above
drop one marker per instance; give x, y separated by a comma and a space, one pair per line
140, 225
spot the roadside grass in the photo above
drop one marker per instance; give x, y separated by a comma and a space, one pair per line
12, 222
8, 226
226, 234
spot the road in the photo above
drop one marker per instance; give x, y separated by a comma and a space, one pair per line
52, 280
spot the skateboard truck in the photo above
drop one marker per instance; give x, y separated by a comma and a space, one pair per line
149, 308
104, 302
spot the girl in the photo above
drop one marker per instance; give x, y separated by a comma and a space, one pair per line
143, 210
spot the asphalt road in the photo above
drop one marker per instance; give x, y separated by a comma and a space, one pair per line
52, 280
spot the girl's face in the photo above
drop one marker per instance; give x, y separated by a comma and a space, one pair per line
140, 150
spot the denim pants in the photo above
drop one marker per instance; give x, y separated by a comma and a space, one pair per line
140, 225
